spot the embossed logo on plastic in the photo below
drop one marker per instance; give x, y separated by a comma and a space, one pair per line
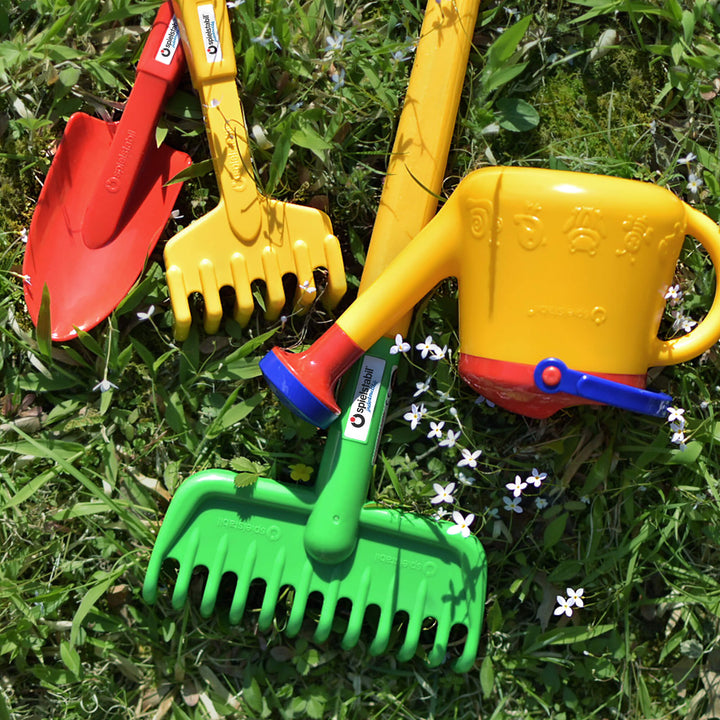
426, 567
112, 184
598, 314
272, 532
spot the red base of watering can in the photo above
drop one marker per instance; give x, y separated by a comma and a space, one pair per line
512, 386
305, 382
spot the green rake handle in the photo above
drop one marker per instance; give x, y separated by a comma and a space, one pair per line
408, 202
349, 456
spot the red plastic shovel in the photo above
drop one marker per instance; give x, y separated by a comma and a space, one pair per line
104, 203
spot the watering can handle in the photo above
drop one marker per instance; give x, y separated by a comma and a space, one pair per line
159, 70
552, 375
706, 334
207, 37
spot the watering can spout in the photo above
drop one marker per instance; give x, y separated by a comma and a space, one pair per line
305, 382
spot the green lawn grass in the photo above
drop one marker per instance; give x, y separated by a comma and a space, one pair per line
87, 469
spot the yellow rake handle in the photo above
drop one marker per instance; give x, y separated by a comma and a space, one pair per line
207, 39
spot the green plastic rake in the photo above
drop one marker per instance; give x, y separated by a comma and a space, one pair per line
257, 532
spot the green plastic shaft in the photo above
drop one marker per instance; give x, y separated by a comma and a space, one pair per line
347, 463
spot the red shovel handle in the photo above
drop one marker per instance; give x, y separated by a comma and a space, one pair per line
159, 70
163, 55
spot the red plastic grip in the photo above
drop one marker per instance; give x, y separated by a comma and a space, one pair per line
134, 135
163, 54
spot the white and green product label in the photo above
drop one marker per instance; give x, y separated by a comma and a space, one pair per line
365, 399
211, 38
169, 44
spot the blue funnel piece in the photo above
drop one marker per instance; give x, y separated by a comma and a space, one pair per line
600, 389
293, 394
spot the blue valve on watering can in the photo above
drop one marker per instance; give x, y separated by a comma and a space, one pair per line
560, 378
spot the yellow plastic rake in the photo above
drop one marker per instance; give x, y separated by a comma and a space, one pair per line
248, 236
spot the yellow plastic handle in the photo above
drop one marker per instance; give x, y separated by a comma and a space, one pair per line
696, 342
424, 133
207, 40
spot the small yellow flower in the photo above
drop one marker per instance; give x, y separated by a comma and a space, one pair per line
300, 472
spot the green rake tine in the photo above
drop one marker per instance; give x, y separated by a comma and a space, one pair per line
442, 635
467, 659
414, 628
237, 607
182, 584
327, 613
212, 584
384, 628
299, 604
357, 613
272, 590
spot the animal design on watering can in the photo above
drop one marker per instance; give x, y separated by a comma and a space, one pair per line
559, 303
585, 230
639, 233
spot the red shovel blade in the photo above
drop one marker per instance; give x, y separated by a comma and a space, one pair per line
86, 284
103, 205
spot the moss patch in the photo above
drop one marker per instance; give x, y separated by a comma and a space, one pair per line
600, 113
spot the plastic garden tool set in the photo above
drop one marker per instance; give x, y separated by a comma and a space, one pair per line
561, 278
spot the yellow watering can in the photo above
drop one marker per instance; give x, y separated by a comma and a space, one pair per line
562, 279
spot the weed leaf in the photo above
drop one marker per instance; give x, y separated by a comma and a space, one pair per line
517, 115
569, 635
487, 676
29, 489
196, 170
70, 657
44, 324
88, 603
554, 531
507, 44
